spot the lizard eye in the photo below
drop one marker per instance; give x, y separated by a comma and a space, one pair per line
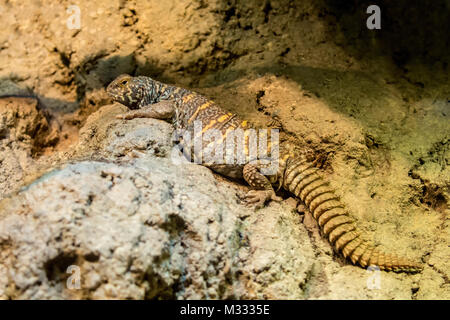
124, 82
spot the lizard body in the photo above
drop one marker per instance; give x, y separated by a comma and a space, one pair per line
294, 172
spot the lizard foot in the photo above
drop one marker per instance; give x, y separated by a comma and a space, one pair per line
259, 197
126, 116
161, 110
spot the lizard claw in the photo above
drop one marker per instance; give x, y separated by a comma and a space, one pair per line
258, 198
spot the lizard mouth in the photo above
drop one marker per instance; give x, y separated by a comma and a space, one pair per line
110, 90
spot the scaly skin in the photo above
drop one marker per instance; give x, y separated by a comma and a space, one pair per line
149, 98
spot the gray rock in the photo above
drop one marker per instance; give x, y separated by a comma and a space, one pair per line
141, 230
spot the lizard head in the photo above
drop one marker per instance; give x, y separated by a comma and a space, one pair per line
127, 90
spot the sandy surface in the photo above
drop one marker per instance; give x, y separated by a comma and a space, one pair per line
373, 106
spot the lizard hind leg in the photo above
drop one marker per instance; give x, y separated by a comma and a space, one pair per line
263, 190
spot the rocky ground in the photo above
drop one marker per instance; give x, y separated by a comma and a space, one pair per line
103, 197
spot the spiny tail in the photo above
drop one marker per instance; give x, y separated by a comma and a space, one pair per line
302, 179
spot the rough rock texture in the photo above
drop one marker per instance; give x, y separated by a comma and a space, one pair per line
133, 230
372, 105
24, 132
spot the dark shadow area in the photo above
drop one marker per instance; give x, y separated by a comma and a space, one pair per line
100, 71
9, 89
413, 35
410, 30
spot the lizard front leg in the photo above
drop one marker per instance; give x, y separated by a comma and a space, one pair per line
263, 190
161, 110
